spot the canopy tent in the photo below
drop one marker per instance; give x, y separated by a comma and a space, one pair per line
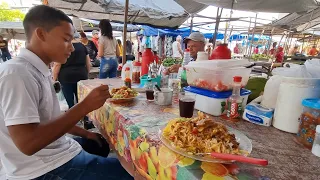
94, 24
278, 6
15, 30
239, 37
164, 13
299, 21
12, 30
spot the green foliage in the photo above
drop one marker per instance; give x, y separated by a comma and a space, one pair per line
7, 14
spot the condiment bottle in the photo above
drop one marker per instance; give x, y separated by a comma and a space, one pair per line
136, 71
234, 102
316, 143
127, 82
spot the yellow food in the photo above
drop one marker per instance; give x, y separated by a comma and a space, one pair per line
123, 92
200, 135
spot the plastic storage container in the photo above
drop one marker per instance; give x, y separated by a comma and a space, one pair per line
214, 103
217, 80
309, 120
316, 143
136, 72
144, 80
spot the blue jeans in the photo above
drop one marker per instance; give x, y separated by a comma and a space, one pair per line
6, 56
70, 90
87, 166
108, 67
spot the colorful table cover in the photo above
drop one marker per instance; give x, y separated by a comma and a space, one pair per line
133, 130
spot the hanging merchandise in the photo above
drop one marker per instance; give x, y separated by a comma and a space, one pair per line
168, 46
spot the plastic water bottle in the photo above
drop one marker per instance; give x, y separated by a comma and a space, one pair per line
127, 70
186, 57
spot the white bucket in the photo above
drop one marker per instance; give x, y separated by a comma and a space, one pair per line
288, 107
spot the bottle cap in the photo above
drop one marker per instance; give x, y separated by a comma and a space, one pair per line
187, 50
318, 129
237, 79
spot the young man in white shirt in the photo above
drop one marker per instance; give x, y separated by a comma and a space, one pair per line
33, 144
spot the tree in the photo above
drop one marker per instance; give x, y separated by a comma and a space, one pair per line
7, 14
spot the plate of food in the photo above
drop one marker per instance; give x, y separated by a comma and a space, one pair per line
198, 137
123, 94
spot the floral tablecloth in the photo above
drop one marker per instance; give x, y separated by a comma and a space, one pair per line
133, 130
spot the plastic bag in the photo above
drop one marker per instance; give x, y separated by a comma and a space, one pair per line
62, 102
313, 67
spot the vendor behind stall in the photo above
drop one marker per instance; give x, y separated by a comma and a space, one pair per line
195, 42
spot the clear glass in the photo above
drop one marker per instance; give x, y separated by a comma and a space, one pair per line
186, 104
136, 73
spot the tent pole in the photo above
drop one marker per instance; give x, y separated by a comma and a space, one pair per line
247, 44
124, 58
216, 27
252, 38
228, 23
191, 24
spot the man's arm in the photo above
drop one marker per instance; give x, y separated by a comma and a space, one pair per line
22, 119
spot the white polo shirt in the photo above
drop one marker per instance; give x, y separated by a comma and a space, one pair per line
27, 96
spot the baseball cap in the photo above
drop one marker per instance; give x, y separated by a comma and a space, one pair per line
95, 32
195, 36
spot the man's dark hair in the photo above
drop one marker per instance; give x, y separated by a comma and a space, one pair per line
45, 17
106, 28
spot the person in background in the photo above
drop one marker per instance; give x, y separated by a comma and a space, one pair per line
91, 49
236, 49
33, 141
176, 48
313, 51
256, 50
74, 70
209, 49
273, 50
294, 51
279, 55
129, 50
108, 51
119, 44
195, 42
95, 38
5, 54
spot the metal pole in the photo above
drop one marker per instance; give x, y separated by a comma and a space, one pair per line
252, 38
217, 27
124, 58
191, 24
228, 23
246, 52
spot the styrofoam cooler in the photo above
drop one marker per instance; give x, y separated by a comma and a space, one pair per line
288, 107
213, 102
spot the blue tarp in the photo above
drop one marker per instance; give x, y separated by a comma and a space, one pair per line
184, 32
239, 37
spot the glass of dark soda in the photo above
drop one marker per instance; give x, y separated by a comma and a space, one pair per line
186, 105
150, 94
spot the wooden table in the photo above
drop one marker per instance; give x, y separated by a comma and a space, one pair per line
128, 126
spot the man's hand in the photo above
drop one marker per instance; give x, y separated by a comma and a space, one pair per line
96, 98
95, 137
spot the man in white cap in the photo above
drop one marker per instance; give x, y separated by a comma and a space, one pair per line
195, 42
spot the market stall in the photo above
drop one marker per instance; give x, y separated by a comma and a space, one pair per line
132, 129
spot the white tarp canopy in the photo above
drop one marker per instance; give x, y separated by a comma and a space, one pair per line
278, 6
12, 30
164, 13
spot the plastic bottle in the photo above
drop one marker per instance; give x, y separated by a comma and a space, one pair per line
186, 57
184, 82
234, 102
127, 70
316, 143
